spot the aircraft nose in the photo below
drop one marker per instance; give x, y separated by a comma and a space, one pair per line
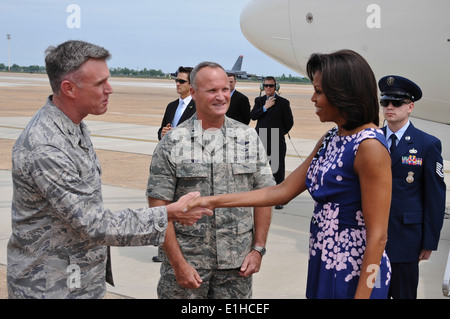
265, 24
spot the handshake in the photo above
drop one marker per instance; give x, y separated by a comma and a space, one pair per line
186, 214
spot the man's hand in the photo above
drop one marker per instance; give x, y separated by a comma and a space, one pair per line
187, 276
177, 211
165, 129
270, 102
251, 264
424, 254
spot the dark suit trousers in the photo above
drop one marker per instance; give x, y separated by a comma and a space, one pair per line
404, 281
278, 172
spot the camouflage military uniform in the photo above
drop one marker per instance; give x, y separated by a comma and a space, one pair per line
60, 229
232, 160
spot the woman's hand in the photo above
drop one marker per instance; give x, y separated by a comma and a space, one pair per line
179, 212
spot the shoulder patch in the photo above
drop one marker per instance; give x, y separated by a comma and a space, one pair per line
440, 169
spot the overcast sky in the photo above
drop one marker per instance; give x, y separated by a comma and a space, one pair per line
139, 34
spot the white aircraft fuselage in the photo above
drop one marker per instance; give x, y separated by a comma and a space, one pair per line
403, 37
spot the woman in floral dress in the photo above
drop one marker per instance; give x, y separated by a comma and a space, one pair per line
348, 174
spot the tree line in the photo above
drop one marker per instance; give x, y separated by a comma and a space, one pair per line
23, 69
145, 73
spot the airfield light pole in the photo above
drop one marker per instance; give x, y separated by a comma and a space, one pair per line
8, 36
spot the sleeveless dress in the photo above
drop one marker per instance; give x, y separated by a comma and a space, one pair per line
337, 231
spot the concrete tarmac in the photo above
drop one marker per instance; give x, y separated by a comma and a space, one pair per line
125, 150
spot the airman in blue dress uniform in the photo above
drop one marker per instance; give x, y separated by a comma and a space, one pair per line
418, 187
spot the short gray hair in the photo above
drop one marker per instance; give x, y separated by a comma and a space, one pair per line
68, 57
192, 77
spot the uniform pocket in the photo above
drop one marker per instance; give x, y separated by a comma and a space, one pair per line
192, 170
242, 179
239, 169
412, 217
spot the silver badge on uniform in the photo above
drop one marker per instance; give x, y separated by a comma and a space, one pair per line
410, 177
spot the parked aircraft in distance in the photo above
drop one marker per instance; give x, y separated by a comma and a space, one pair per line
410, 38
237, 70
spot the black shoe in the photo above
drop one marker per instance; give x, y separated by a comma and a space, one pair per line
279, 207
156, 259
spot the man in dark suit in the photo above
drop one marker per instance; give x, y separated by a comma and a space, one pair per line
182, 108
418, 187
239, 109
274, 116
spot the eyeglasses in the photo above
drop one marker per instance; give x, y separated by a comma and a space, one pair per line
269, 85
180, 81
395, 103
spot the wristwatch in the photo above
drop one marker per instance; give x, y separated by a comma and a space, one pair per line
259, 249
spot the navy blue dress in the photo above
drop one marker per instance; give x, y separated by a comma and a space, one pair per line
337, 232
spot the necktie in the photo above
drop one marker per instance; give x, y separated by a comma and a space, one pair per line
178, 113
393, 143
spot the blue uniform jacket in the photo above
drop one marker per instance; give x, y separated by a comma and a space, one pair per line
418, 196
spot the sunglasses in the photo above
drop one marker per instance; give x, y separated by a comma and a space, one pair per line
395, 103
180, 81
269, 85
